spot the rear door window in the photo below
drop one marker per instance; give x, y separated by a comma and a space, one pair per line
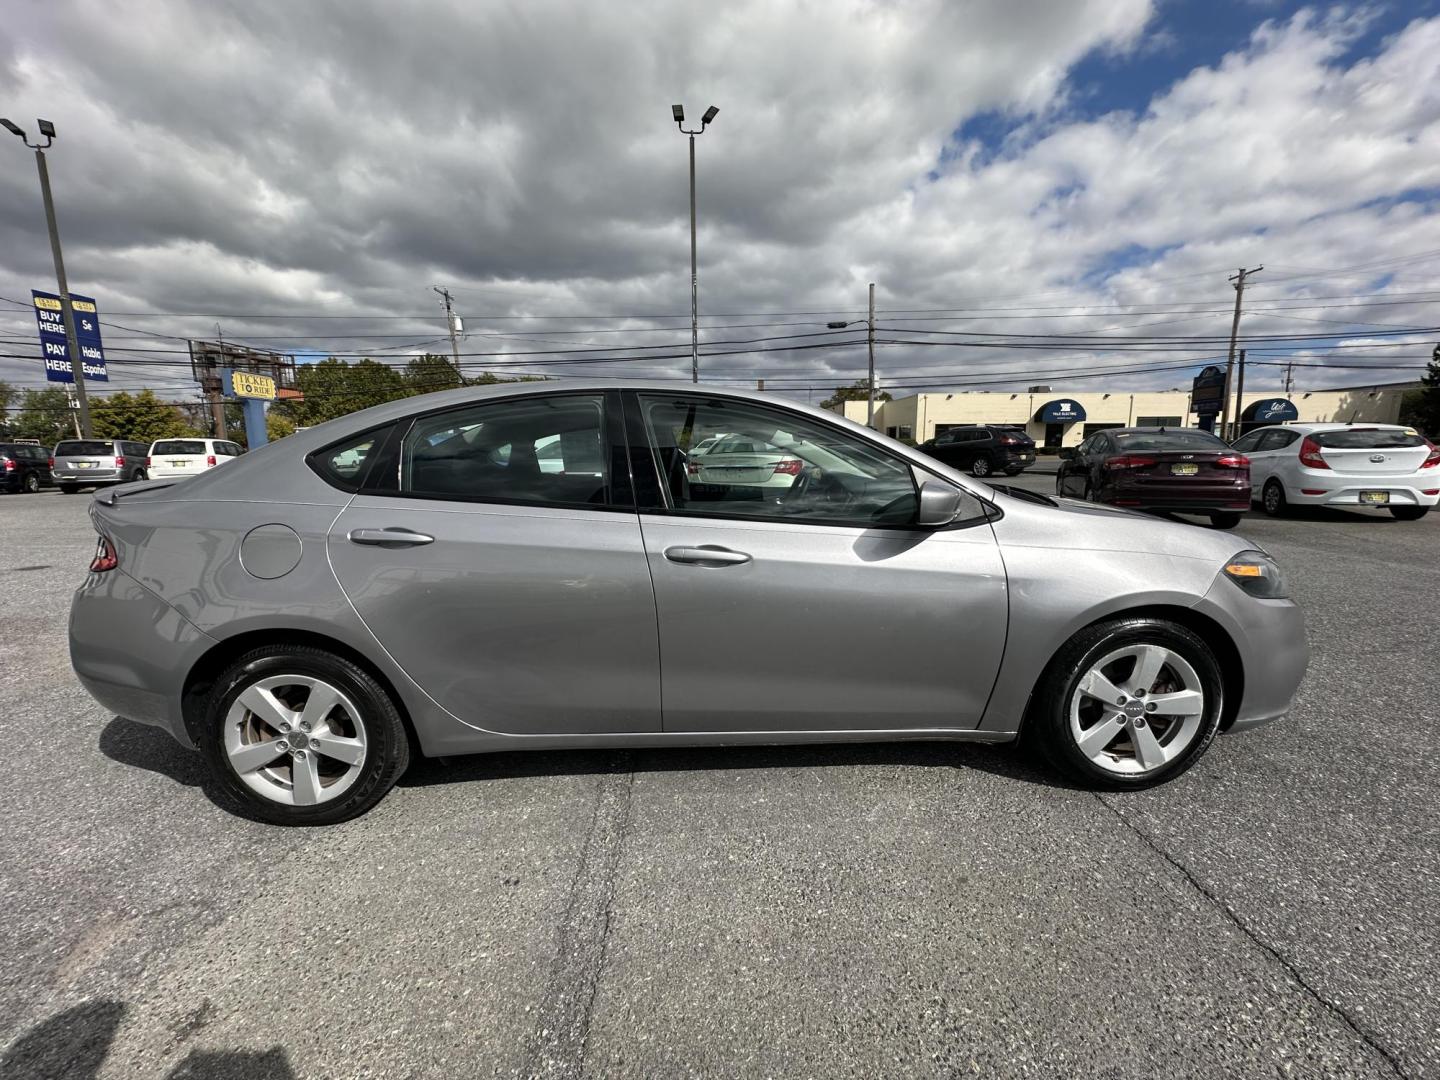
83, 448
1368, 439
177, 446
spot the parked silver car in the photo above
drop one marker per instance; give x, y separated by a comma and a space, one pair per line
96, 462
412, 577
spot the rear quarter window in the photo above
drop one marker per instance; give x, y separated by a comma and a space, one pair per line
344, 464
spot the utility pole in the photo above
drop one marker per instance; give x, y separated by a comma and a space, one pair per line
1240, 396
760, 385
870, 341
677, 112
1289, 373
67, 310
214, 389
1239, 282
450, 323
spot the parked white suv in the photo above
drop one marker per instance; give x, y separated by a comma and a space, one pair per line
187, 457
1347, 465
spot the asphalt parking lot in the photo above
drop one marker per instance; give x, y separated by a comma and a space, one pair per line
907, 910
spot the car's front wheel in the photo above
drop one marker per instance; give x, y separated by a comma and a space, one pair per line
300, 736
1127, 703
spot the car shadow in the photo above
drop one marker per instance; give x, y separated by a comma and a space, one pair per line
73, 1045
1006, 761
143, 746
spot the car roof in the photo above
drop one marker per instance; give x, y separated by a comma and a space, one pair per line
1152, 430
1343, 427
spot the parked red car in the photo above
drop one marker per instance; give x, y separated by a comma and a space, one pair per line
1174, 469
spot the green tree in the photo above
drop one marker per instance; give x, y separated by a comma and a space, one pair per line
1422, 407
429, 373
142, 417
333, 388
859, 390
278, 426
8, 396
44, 415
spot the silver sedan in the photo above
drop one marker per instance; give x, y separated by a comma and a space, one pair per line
534, 566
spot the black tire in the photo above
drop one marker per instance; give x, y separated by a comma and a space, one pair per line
68, 489
140, 475
31, 484
1409, 513
1273, 499
1047, 724
388, 749
1224, 520
981, 466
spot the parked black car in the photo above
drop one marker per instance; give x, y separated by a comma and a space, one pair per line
24, 467
983, 449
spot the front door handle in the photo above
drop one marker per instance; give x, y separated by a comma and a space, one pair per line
706, 556
392, 537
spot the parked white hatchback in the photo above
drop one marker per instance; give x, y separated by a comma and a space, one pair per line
1386, 466
173, 458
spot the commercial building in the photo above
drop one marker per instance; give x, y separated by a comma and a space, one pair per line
1054, 420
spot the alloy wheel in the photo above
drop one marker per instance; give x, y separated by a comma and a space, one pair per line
1137, 709
295, 740
32, 484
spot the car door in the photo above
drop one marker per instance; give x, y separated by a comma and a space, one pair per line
1275, 450
818, 609
519, 599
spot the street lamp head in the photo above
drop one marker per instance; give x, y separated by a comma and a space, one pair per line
12, 128
709, 115
677, 111
836, 325
46, 128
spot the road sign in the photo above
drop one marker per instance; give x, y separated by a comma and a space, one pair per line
247, 384
56, 349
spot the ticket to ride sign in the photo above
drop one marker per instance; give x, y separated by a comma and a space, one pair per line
58, 366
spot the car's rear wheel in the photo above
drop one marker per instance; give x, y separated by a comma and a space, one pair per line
300, 736
980, 466
1127, 703
31, 483
1273, 499
1223, 520
1409, 513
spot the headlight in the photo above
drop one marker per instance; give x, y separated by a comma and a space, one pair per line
1257, 574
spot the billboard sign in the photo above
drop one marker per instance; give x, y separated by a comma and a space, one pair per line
58, 366
1208, 391
248, 384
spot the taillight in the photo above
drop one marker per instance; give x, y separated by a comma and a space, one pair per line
788, 467
52, 463
148, 459
9, 465
690, 467
1310, 454
1434, 458
1129, 461
119, 462
1232, 461
105, 558
210, 460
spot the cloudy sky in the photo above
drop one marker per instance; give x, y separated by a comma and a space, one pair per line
1042, 191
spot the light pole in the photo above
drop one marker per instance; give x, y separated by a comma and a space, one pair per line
77, 361
870, 342
678, 112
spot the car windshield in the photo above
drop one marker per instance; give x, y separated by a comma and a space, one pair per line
83, 448
1368, 439
179, 446
1167, 440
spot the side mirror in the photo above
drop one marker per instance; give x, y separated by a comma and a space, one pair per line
1067, 453
939, 503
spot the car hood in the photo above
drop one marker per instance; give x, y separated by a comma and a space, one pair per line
1070, 524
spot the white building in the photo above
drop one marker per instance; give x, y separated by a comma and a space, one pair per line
1054, 419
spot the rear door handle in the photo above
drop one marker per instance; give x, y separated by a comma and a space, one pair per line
706, 556
392, 537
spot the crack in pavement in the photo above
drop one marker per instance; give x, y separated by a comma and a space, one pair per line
1274, 953
560, 1041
